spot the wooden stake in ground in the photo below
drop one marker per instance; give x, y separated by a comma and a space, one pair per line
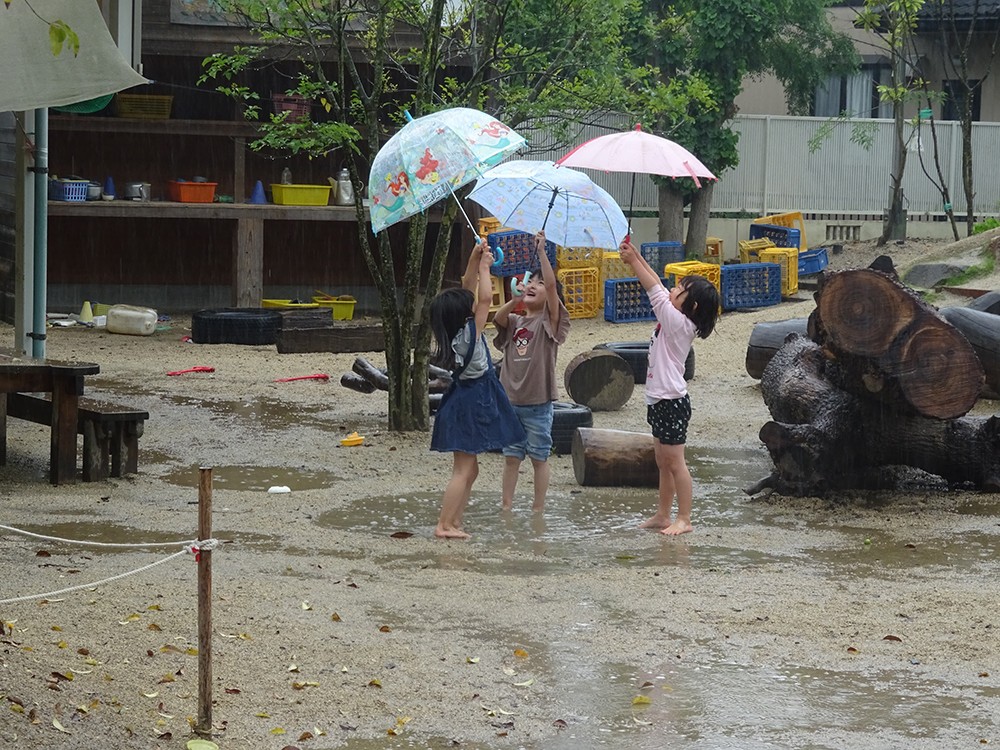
204, 726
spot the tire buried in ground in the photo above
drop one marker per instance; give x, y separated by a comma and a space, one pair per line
636, 353
566, 417
242, 325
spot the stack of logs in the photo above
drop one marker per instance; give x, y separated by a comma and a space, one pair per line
879, 384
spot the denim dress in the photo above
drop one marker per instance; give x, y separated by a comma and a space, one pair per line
475, 415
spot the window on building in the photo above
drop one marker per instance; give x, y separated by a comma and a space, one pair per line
955, 94
855, 94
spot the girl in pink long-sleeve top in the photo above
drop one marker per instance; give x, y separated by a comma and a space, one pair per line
688, 310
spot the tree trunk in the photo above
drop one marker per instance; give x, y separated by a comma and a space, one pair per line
697, 233
614, 458
599, 379
982, 329
670, 203
891, 346
877, 389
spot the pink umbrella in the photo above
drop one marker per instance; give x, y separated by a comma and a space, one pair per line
636, 151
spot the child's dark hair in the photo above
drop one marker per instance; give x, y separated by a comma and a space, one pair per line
700, 304
449, 312
536, 273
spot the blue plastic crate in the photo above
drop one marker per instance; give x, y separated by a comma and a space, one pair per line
70, 191
625, 301
813, 260
780, 236
519, 254
658, 254
750, 285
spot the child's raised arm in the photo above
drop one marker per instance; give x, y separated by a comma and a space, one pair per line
470, 277
646, 275
549, 277
484, 293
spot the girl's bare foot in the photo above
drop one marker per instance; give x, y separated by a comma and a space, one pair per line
678, 527
656, 522
448, 532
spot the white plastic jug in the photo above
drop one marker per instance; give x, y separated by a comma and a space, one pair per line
137, 321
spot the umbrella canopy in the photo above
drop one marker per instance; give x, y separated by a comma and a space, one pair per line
638, 152
432, 156
568, 205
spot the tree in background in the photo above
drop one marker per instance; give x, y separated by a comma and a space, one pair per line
518, 59
713, 46
962, 28
896, 21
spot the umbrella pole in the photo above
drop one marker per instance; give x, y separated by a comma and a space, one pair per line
552, 202
459, 204
631, 201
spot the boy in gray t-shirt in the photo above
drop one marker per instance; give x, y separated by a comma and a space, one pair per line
530, 343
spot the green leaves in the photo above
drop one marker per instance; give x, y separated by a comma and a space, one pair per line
60, 36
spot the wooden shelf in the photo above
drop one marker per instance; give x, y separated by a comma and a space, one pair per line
90, 124
122, 209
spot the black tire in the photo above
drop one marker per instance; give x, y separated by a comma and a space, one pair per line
566, 417
244, 325
636, 353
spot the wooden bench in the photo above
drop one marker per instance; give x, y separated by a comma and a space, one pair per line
110, 432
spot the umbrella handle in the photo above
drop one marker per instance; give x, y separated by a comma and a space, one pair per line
497, 256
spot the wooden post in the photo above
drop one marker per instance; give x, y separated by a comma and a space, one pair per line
204, 726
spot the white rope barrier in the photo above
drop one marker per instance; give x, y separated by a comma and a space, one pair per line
190, 546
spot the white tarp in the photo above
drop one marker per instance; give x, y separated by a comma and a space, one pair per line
32, 77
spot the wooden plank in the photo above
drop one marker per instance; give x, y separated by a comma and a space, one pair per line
356, 337
122, 209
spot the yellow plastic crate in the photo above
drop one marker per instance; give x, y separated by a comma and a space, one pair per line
792, 220
710, 271
579, 257
581, 289
713, 250
300, 195
613, 267
287, 304
750, 248
488, 225
788, 259
342, 307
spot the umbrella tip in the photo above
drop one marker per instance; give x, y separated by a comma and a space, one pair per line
407, 115
638, 126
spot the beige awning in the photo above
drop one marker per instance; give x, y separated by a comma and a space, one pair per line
32, 77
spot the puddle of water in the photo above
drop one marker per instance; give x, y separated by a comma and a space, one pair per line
867, 555
262, 413
254, 477
91, 531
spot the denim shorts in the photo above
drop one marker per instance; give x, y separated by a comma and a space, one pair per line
537, 422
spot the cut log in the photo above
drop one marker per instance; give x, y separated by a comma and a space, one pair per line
371, 373
599, 379
890, 345
356, 383
982, 329
614, 458
989, 303
824, 439
766, 338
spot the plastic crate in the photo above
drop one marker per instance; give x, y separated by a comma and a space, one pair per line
658, 254
813, 261
713, 250
750, 248
70, 191
710, 271
750, 285
625, 301
519, 253
791, 219
300, 195
191, 192
488, 224
581, 291
144, 106
788, 259
613, 267
579, 257
780, 236
296, 106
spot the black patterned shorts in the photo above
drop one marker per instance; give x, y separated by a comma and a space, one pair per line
669, 419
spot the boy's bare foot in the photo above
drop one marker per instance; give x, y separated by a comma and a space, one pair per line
443, 532
507, 504
678, 527
656, 522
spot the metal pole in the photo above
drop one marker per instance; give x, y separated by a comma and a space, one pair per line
40, 255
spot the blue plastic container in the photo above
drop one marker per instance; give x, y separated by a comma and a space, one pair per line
625, 301
780, 236
519, 254
813, 261
750, 285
